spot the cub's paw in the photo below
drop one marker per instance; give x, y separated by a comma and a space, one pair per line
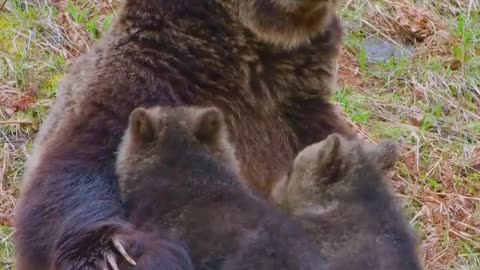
97, 247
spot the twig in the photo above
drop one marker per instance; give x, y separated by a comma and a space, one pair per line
347, 5
12, 122
3, 5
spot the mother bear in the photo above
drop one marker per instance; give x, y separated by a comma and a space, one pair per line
269, 65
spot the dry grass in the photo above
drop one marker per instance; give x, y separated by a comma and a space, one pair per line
429, 101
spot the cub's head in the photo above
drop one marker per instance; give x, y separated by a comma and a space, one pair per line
338, 169
286, 23
162, 133
348, 155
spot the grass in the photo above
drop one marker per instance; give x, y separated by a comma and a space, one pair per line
428, 101
6, 250
431, 104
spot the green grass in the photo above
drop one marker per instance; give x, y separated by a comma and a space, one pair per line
438, 128
429, 107
6, 249
37, 44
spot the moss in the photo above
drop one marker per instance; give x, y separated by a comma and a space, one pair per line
49, 85
6, 248
386, 130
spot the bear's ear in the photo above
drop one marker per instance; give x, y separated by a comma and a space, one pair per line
388, 153
141, 126
209, 125
332, 160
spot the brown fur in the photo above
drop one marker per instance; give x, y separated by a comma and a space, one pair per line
337, 190
285, 23
166, 52
91, 227
177, 171
154, 250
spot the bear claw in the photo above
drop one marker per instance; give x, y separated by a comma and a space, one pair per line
119, 247
111, 261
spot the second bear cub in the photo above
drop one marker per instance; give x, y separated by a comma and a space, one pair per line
177, 171
337, 190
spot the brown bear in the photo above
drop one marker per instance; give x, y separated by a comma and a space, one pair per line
93, 227
336, 189
178, 171
268, 65
148, 248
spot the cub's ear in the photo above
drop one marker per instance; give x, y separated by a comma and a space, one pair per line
209, 126
388, 154
141, 126
384, 154
333, 160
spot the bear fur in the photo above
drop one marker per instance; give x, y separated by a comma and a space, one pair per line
271, 79
153, 249
177, 170
337, 190
91, 228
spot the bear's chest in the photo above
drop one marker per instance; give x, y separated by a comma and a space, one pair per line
277, 77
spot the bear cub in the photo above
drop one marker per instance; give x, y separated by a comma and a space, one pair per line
337, 189
177, 171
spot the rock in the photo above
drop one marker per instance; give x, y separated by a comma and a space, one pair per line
379, 50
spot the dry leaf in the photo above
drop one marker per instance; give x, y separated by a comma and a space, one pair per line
416, 116
419, 23
453, 63
23, 104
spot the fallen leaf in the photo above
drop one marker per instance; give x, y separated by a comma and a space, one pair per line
453, 64
418, 23
23, 104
